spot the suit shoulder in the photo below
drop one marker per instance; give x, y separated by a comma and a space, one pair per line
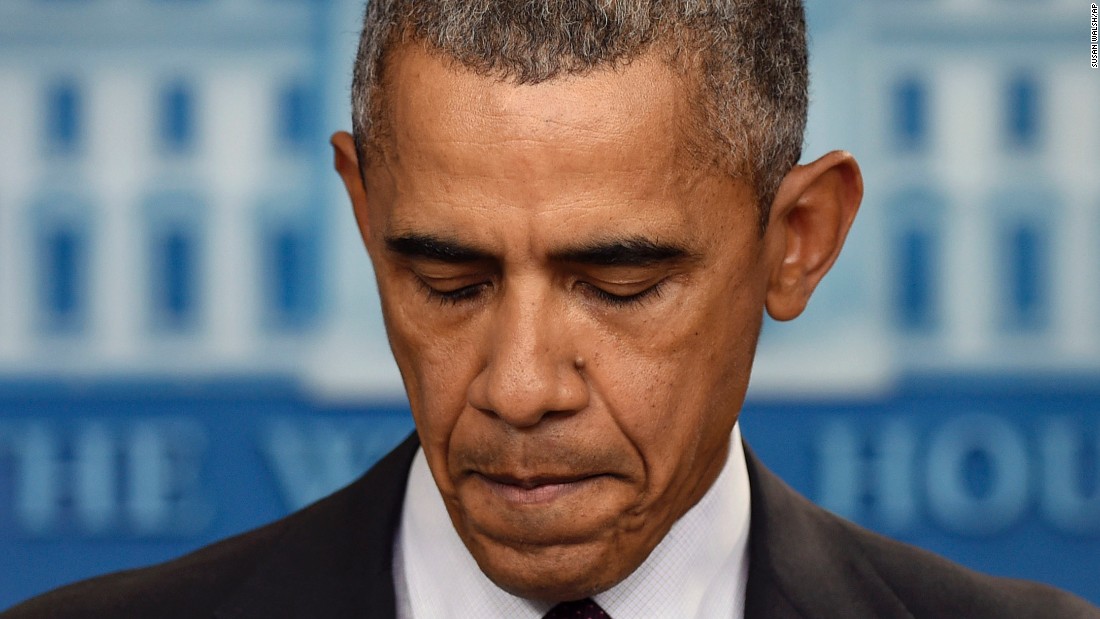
933, 586
186, 586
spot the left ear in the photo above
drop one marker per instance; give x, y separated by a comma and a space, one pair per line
810, 217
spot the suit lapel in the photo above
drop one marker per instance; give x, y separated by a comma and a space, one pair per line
804, 562
336, 557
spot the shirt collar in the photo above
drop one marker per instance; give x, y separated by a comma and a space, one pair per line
698, 570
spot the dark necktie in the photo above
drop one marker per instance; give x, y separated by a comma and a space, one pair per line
580, 609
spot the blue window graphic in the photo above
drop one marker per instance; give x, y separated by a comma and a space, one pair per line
62, 285
915, 260
177, 298
1025, 276
915, 289
910, 114
177, 118
291, 275
295, 116
63, 117
1022, 108
174, 220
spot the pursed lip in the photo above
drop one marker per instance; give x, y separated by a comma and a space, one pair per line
534, 488
534, 481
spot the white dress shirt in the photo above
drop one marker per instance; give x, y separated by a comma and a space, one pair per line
699, 569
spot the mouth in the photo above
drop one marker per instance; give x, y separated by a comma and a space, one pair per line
535, 489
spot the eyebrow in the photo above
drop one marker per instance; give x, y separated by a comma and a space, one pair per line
634, 251
431, 247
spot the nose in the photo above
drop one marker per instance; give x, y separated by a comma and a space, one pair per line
531, 369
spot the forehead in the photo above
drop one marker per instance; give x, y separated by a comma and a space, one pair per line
432, 101
594, 155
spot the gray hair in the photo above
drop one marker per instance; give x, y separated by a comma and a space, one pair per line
747, 59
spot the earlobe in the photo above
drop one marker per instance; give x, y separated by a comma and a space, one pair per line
811, 215
346, 162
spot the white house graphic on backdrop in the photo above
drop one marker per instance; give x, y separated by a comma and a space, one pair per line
987, 184
166, 206
160, 209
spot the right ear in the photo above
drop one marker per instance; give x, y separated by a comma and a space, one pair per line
346, 162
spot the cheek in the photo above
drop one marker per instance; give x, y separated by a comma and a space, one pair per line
662, 404
677, 392
436, 364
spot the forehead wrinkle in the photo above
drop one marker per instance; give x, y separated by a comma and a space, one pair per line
537, 136
456, 165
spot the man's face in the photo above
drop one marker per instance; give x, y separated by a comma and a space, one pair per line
573, 304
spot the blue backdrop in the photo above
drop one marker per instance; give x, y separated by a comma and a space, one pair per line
191, 344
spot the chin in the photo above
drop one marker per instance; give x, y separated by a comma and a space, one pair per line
553, 586
552, 574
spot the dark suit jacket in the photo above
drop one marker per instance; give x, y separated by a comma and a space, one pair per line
334, 558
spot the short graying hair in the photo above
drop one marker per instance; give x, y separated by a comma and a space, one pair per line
746, 59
